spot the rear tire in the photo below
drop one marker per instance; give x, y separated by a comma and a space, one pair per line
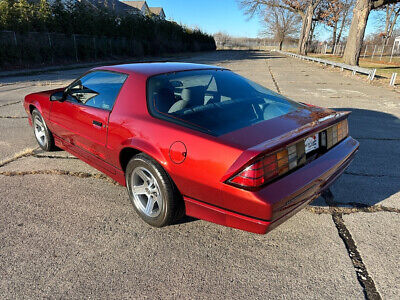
43, 135
152, 192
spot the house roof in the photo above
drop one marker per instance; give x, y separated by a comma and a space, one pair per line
156, 10
110, 4
135, 4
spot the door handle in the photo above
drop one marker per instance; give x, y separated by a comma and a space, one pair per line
97, 123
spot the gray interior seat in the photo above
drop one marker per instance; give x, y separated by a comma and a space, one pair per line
191, 97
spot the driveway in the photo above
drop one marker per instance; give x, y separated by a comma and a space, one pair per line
67, 231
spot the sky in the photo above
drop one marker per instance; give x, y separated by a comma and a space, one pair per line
210, 15
213, 16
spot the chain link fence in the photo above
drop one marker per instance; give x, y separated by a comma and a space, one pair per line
388, 53
44, 48
41, 48
225, 42
372, 52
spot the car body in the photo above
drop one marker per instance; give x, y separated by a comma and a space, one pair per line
202, 164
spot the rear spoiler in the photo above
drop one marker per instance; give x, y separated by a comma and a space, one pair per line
251, 154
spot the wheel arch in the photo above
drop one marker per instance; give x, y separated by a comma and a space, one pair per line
35, 105
125, 156
31, 108
135, 146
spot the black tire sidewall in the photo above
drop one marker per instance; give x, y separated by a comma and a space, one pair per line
166, 216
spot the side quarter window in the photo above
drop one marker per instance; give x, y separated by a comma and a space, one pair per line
97, 89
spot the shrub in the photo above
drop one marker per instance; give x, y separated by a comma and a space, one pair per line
64, 32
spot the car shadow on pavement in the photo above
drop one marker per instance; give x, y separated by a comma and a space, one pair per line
374, 175
184, 219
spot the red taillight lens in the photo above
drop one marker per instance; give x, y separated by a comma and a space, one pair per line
252, 176
268, 167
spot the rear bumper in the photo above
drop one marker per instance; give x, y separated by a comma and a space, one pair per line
281, 199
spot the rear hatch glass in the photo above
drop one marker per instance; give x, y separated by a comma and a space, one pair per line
214, 101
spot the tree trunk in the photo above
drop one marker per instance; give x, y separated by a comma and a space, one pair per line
390, 31
339, 35
389, 11
356, 33
342, 25
280, 45
305, 30
301, 37
334, 37
310, 38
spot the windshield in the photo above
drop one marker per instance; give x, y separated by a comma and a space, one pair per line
213, 101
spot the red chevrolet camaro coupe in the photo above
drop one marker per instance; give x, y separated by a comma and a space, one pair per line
197, 140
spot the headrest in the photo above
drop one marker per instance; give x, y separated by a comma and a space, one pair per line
195, 95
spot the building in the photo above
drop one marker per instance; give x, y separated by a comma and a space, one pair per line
115, 5
125, 6
158, 11
137, 7
142, 8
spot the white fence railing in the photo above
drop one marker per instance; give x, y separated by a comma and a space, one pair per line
355, 69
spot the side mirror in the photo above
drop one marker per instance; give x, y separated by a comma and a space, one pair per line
58, 96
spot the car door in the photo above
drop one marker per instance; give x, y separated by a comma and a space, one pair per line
82, 119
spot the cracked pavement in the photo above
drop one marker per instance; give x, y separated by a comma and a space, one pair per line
68, 231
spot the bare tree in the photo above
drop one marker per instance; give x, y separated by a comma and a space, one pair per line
392, 12
280, 24
222, 38
359, 21
304, 8
335, 15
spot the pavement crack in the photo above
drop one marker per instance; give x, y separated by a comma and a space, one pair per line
10, 103
58, 172
274, 80
337, 207
18, 155
363, 277
54, 157
12, 117
356, 208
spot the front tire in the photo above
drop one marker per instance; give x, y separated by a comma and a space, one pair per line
152, 192
43, 135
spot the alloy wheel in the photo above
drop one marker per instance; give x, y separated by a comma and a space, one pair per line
40, 130
146, 192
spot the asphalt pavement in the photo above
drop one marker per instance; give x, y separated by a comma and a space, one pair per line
67, 231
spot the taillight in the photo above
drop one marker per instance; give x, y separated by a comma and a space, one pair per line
270, 166
336, 133
252, 176
274, 165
